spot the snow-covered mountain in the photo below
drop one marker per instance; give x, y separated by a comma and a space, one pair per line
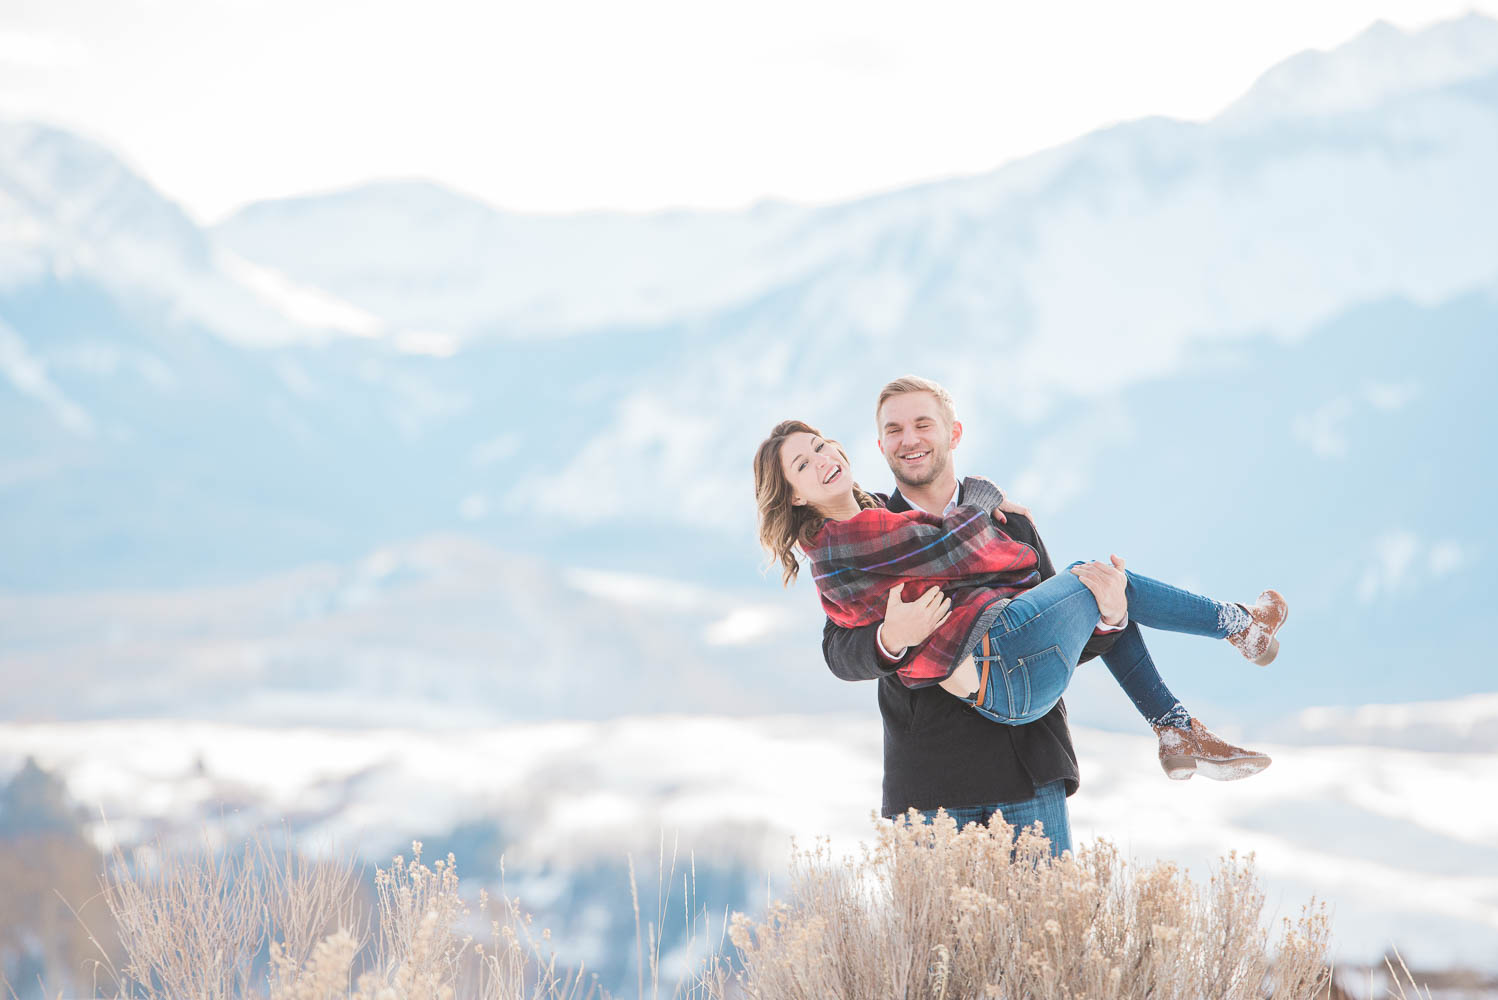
1254, 351
1380, 62
72, 213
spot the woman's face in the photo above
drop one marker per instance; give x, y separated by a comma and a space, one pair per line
816, 470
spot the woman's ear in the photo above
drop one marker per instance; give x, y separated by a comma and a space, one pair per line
797, 502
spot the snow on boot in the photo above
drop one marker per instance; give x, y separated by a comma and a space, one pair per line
1257, 641
1197, 750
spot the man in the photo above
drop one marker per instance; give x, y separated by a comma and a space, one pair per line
938, 751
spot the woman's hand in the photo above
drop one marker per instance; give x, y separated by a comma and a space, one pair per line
1107, 585
911, 623
1010, 507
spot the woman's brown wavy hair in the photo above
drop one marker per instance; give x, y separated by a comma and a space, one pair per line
782, 524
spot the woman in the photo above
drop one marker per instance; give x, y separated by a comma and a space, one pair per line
1010, 643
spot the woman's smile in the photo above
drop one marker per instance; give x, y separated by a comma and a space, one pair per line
817, 471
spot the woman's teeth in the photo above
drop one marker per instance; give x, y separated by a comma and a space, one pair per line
837, 470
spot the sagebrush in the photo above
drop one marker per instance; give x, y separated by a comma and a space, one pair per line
927, 912
930, 912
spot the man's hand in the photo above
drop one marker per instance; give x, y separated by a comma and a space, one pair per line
1010, 507
910, 624
1107, 585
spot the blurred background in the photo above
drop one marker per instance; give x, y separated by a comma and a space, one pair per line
378, 386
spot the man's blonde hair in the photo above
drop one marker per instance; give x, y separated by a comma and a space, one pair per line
914, 383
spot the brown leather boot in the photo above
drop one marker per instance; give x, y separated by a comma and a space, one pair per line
1257, 642
1184, 752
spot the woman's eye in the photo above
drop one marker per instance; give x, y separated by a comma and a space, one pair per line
819, 446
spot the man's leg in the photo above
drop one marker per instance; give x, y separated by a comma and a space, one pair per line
961, 815
1047, 807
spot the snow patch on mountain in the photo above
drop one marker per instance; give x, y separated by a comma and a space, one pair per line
28, 374
311, 307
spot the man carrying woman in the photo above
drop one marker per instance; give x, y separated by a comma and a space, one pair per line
983, 732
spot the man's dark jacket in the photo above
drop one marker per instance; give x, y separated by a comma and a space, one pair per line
937, 750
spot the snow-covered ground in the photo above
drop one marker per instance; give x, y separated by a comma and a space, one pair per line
1403, 843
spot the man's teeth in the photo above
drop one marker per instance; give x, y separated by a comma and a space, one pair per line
916, 456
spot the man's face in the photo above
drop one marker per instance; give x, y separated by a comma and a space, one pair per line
916, 439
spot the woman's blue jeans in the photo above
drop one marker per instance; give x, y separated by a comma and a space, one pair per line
1038, 640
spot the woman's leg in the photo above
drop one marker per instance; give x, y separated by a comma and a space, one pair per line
1131, 665
1033, 649
1032, 658
1161, 606
1036, 645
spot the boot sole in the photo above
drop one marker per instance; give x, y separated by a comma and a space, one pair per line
1178, 768
1182, 768
1232, 770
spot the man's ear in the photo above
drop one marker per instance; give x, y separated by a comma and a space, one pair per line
956, 432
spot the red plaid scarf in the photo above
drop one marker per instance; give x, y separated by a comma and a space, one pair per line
857, 562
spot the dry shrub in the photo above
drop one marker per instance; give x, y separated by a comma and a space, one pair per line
192, 924
931, 913
927, 913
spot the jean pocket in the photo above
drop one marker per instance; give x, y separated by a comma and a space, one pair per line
1043, 676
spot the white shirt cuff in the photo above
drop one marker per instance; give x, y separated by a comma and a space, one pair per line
1103, 626
879, 641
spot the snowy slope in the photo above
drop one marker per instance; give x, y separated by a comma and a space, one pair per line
439, 631
71, 212
1377, 63
1151, 234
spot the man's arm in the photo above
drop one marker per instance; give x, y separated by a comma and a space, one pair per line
851, 653
872, 651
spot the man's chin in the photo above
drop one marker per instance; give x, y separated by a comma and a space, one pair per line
903, 478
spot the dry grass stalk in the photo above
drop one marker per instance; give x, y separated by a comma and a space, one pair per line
307, 899
517, 965
190, 924
418, 950
932, 912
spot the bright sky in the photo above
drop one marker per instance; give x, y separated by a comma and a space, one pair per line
573, 104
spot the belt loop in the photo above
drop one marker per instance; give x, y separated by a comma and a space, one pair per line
983, 677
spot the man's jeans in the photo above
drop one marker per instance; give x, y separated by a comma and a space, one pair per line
1040, 634
1048, 806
